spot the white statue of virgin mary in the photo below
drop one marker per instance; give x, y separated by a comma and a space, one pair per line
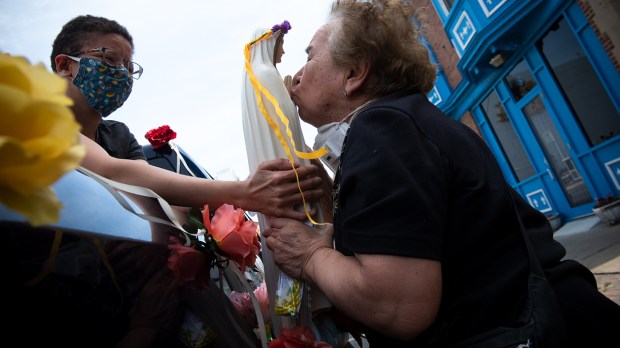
271, 134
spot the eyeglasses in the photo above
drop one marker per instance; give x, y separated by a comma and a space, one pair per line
111, 57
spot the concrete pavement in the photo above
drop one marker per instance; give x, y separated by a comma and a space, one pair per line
597, 246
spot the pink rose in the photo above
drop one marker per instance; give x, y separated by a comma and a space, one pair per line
263, 299
159, 137
244, 306
189, 265
234, 235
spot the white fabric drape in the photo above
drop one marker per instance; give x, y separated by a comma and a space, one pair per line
260, 140
262, 144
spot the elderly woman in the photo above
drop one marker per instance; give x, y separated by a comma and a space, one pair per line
426, 248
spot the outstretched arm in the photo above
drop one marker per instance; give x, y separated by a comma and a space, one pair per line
271, 190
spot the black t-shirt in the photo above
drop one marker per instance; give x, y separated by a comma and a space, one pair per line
415, 183
118, 141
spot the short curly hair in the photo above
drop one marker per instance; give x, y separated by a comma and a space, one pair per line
78, 31
385, 34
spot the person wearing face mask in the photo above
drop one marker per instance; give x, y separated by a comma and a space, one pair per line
429, 246
331, 137
94, 54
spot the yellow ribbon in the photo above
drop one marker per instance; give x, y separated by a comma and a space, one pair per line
258, 89
106, 262
50, 262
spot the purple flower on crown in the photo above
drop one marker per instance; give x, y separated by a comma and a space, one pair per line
285, 27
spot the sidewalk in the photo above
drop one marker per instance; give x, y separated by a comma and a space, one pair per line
597, 246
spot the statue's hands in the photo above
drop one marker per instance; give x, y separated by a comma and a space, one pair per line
288, 83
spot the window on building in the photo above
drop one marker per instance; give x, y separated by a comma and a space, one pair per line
448, 4
509, 141
557, 156
520, 80
582, 87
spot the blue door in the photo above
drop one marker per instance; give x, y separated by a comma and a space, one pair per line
553, 120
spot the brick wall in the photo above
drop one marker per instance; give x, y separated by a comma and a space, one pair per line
469, 121
604, 18
437, 38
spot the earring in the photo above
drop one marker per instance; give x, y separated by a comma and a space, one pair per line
345, 92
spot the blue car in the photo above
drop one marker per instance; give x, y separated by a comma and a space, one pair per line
99, 276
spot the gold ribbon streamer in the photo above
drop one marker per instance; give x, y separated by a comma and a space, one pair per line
50, 262
106, 262
258, 89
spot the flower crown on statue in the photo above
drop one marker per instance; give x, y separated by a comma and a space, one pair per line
285, 27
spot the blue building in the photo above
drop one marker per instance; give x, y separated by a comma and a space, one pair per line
539, 80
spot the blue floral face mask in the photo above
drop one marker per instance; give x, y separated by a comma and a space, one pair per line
105, 87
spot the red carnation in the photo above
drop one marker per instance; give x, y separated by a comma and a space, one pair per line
159, 137
297, 337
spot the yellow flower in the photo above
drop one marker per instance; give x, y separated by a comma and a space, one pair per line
38, 138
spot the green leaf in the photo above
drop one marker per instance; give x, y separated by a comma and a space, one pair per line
196, 223
195, 219
195, 213
189, 228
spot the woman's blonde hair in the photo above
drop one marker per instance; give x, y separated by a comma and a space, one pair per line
385, 34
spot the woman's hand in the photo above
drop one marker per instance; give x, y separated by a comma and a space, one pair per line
273, 189
293, 244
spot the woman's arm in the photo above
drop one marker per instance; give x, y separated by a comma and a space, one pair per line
396, 295
271, 190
